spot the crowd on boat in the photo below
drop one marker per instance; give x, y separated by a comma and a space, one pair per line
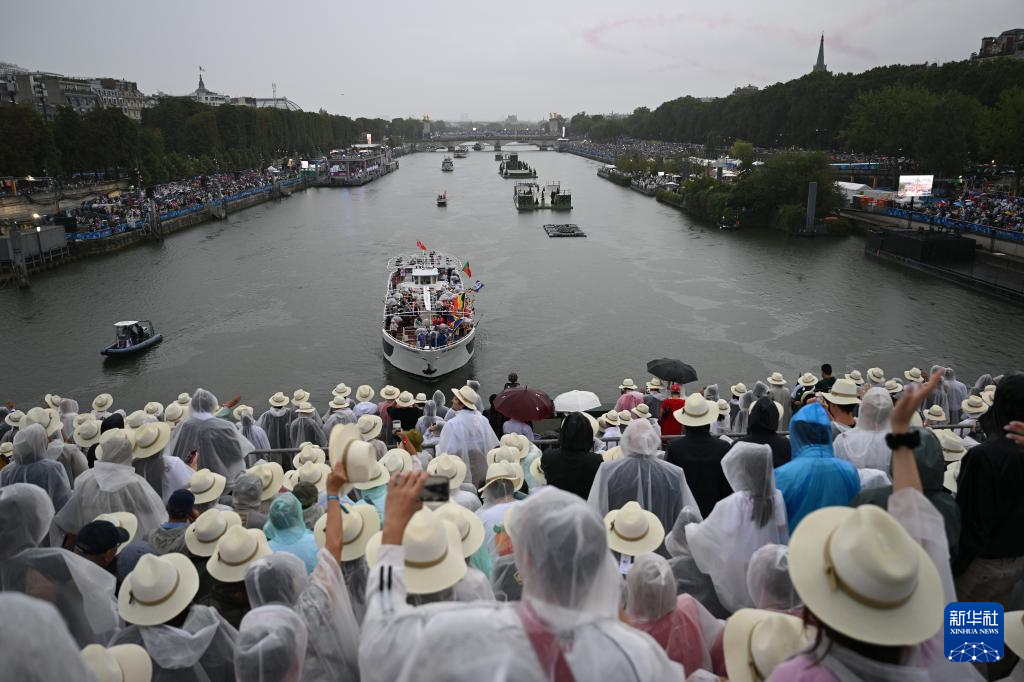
448, 319
794, 530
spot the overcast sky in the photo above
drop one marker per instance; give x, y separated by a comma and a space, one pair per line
485, 59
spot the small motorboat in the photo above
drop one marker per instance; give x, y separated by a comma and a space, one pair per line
442, 199
132, 336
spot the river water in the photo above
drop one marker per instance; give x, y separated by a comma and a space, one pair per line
288, 295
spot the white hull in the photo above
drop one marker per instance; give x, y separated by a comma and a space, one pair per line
429, 363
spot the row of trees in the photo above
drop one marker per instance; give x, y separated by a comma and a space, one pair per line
178, 137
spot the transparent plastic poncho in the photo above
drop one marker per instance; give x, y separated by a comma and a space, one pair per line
864, 446
31, 465
275, 423
25, 516
689, 578
956, 393
222, 449
35, 644
768, 581
271, 645
203, 648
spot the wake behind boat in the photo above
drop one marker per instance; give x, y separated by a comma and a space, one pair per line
429, 328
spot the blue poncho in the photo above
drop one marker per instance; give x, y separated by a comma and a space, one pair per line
814, 478
286, 530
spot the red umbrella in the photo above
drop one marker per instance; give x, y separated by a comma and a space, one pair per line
525, 404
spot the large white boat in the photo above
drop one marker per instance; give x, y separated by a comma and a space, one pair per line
429, 328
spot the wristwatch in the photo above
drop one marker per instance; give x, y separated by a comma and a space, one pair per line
903, 440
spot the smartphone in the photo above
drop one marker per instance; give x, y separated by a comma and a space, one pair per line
436, 489
396, 427
192, 457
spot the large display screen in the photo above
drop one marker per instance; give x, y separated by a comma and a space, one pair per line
915, 186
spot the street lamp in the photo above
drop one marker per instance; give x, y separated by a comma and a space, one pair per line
39, 241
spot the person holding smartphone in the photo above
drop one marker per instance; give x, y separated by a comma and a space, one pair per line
404, 415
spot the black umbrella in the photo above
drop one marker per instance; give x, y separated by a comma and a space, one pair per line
672, 370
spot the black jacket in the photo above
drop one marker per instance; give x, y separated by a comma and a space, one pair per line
572, 466
700, 456
762, 427
990, 485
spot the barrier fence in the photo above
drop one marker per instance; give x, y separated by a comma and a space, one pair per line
953, 224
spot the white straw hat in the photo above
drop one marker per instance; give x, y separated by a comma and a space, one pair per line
364, 393
173, 413
503, 471
379, 475
935, 414
396, 461
14, 418
279, 399
300, 396
612, 454
271, 477
855, 377
467, 396
136, 419
339, 402
697, 411
304, 408
310, 453
154, 409
389, 392
518, 441
449, 466
45, 417
807, 380
421, 399
950, 476
503, 453
7, 450
83, 417
641, 411
121, 663
611, 418
113, 434
122, 519
405, 399
370, 426
893, 387
52, 400
236, 549
537, 472
361, 523
150, 439
625, 417
87, 434
356, 456
757, 641
738, 389
876, 375
202, 534
103, 402
632, 530
207, 486
239, 410
184, 399
914, 374
724, 408
309, 472
862, 574
776, 379
974, 406
953, 448
341, 391
158, 589
628, 384
655, 383
433, 553
844, 392
469, 525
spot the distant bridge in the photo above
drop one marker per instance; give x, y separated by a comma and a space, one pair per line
540, 139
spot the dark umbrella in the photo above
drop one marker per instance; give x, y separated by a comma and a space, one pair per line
672, 370
525, 404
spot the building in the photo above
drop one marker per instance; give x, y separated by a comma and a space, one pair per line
114, 93
1008, 44
745, 90
265, 103
511, 119
555, 124
204, 96
47, 92
819, 66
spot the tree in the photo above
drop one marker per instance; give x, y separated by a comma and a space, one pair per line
744, 151
1002, 132
27, 146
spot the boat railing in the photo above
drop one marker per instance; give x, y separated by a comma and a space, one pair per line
410, 339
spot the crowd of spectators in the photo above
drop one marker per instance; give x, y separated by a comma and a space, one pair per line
991, 210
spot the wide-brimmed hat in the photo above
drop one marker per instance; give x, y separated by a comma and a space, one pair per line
724, 408
7, 450
950, 475
989, 396
449, 466
469, 525
655, 384
361, 523
953, 447
107, 436
279, 399
503, 470
154, 409
339, 402
369, 425
122, 519
518, 441
855, 377
304, 408
390, 392
103, 402
397, 461
310, 453
611, 418
121, 663
421, 399
757, 641
150, 439
738, 389
173, 413
271, 476
612, 454
433, 553
893, 387
697, 411
914, 374
300, 396
641, 411
625, 417
876, 375
136, 419
241, 409
87, 434
974, 406
364, 393
844, 392
776, 379
379, 475
629, 384
935, 414
632, 530
14, 418
341, 391
83, 417
45, 417
508, 454
356, 455
158, 589
202, 534
310, 472
537, 472
207, 486
52, 400
184, 399
236, 549
467, 396
864, 576
807, 380
405, 399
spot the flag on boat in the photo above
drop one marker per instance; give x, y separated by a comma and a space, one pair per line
421, 245
477, 285
460, 302
465, 269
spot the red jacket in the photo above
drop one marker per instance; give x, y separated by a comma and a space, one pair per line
669, 425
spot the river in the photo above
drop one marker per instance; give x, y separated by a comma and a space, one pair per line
288, 295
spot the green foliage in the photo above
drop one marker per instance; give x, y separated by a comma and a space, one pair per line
790, 217
26, 143
783, 180
744, 151
669, 197
1002, 131
706, 198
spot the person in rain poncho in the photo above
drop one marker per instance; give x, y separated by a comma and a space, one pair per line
286, 530
222, 449
814, 478
170, 536
864, 446
275, 421
937, 397
571, 589
68, 410
658, 486
305, 429
740, 414
753, 516
164, 473
111, 486
475, 585
246, 500
31, 465
468, 434
779, 393
35, 644
308, 497
250, 430
67, 454
683, 628
439, 401
763, 427
768, 582
340, 414
429, 425
573, 465
689, 578
956, 393
271, 645
82, 591
931, 467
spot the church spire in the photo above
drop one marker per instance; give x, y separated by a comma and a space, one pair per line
820, 64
